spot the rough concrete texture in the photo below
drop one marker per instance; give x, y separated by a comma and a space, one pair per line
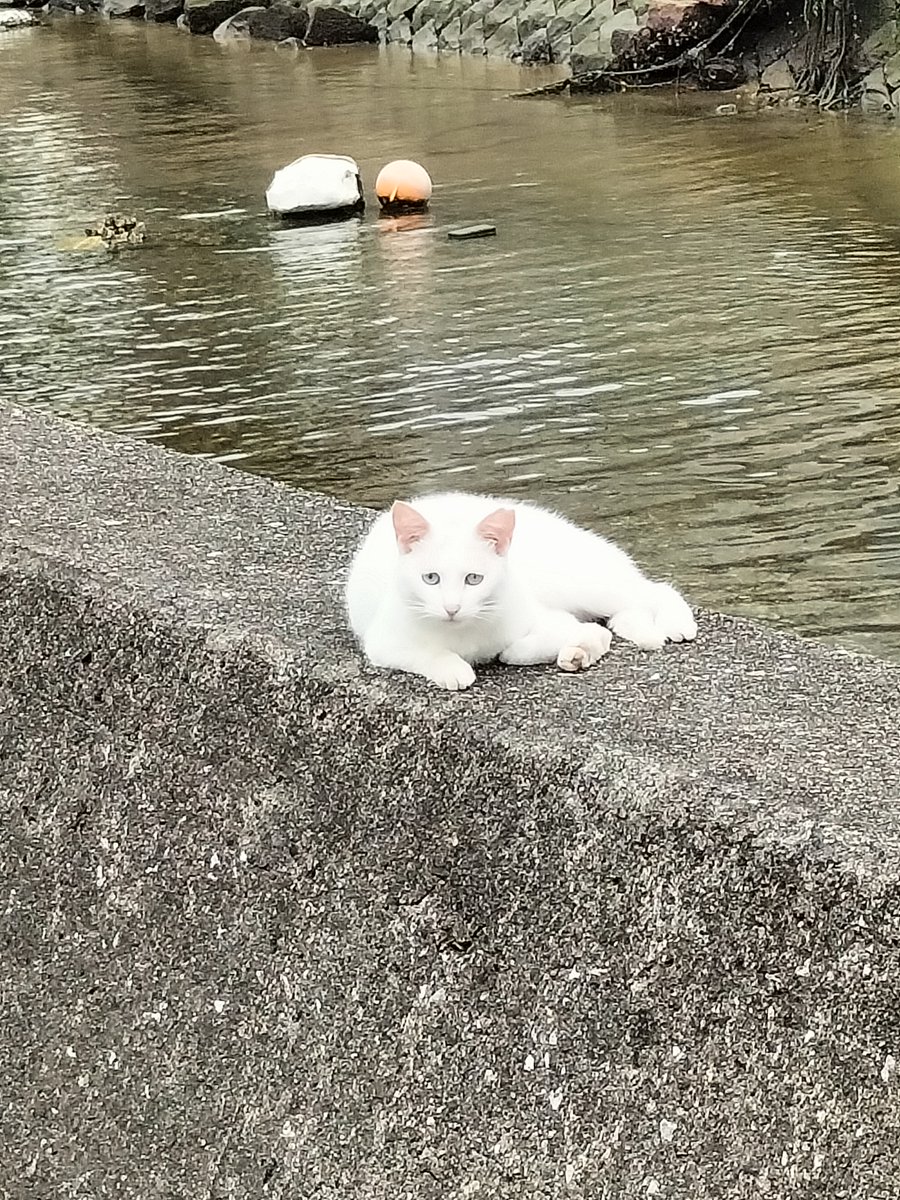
277, 925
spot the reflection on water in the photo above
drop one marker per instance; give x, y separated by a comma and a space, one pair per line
684, 333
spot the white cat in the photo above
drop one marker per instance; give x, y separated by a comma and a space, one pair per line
456, 579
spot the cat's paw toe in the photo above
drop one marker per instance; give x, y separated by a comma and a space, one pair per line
574, 658
682, 633
453, 676
687, 628
673, 616
678, 626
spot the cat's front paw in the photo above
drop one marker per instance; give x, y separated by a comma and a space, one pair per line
596, 639
639, 627
593, 642
668, 620
574, 658
452, 673
674, 616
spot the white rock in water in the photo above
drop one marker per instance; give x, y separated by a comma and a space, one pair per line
14, 18
315, 183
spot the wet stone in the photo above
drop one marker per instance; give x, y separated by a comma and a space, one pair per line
278, 22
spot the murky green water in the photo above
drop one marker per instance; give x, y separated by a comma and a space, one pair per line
685, 334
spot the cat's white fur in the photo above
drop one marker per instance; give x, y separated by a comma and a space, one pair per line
536, 586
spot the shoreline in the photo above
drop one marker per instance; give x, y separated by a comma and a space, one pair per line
606, 45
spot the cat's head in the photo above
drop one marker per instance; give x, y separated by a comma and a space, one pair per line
451, 570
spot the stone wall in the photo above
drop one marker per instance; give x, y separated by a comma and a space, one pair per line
590, 31
587, 34
881, 85
276, 925
584, 33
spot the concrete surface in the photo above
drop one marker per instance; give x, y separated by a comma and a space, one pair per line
275, 925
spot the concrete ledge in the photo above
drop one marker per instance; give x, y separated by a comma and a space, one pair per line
274, 925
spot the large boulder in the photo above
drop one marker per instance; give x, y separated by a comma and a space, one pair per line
778, 77
293, 24
399, 31
536, 48
423, 14
14, 18
503, 40
122, 8
425, 38
575, 11
278, 22
204, 16
559, 35
450, 36
534, 17
877, 97
57, 8
163, 10
237, 28
332, 27
471, 39
499, 15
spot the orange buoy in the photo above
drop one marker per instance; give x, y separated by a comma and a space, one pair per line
403, 185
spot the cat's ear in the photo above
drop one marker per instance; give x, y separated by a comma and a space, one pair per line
409, 525
497, 528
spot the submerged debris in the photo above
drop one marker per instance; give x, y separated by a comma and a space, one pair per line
472, 231
117, 230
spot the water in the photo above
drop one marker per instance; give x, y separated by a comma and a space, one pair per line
685, 333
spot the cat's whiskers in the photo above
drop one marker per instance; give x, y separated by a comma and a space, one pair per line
483, 617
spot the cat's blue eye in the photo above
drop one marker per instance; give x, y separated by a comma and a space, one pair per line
431, 578
473, 580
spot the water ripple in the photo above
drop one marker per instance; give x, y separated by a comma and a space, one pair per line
684, 333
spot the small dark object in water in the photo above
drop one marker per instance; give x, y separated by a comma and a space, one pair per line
117, 230
399, 208
719, 74
473, 231
326, 216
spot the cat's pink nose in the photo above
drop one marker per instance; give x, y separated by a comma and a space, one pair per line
451, 610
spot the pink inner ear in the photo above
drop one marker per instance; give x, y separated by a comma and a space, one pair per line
409, 525
497, 528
